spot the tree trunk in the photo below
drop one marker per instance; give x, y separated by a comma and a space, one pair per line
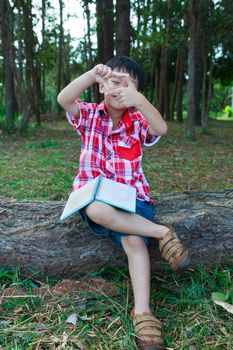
32, 236
60, 52
8, 75
18, 78
197, 13
43, 44
108, 26
99, 31
180, 84
31, 70
191, 75
175, 85
122, 27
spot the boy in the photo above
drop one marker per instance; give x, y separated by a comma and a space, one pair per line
112, 134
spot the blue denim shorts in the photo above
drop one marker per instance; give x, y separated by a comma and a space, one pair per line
143, 208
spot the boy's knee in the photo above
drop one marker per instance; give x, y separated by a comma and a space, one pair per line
133, 244
100, 213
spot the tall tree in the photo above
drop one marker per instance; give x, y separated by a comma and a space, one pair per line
123, 27
197, 11
60, 52
31, 70
164, 86
6, 30
99, 31
108, 26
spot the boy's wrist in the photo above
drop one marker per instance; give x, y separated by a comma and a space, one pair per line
140, 100
91, 76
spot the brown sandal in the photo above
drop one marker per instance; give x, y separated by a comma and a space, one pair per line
147, 329
173, 250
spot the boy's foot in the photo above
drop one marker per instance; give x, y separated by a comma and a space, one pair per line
147, 330
173, 250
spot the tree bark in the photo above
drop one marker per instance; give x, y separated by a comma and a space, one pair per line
8, 75
60, 52
198, 15
31, 234
122, 27
32, 76
108, 25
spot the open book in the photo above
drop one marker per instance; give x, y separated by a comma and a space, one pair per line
101, 189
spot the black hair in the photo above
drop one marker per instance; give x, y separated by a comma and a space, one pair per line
130, 66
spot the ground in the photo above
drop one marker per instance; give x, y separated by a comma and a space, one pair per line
43, 165
34, 311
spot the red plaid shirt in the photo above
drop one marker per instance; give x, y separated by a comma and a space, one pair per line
115, 154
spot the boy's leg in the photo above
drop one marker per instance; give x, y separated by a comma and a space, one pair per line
122, 221
139, 270
147, 328
118, 220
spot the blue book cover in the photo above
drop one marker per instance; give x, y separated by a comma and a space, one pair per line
102, 189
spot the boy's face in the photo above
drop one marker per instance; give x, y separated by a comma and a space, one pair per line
115, 83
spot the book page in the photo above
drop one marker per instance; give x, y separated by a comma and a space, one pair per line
117, 194
79, 198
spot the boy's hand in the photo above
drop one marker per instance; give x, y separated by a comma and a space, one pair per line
127, 96
101, 73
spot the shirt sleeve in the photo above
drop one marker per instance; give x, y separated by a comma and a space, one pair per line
78, 121
146, 138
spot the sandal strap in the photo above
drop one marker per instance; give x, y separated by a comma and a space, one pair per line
169, 236
150, 340
178, 250
143, 318
144, 325
170, 248
149, 332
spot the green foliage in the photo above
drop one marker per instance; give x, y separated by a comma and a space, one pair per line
229, 111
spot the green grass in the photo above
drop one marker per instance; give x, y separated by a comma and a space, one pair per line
41, 167
183, 303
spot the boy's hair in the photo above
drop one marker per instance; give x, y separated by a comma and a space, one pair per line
130, 66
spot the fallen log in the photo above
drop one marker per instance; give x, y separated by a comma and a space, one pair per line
31, 235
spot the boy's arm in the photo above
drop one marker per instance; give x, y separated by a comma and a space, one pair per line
157, 125
130, 97
68, 96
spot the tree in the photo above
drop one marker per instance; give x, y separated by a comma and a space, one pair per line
203, 221
31, 69
6, 30
123, 27
107, 21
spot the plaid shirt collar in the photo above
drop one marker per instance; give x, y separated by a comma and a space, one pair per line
130, 115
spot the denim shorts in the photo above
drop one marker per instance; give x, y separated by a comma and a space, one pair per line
143, 208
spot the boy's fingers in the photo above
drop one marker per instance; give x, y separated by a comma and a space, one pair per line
106, 86
119, 74
116, 91
129, 81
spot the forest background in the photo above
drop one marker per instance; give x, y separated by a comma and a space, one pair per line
185, 48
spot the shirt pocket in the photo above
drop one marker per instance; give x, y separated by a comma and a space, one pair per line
129, 147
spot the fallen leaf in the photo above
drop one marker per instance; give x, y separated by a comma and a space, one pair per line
225, 305
224, 331
20, 309
85, 318
72, 319
219, 296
